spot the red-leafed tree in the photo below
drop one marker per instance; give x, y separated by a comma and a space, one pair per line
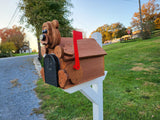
15, 34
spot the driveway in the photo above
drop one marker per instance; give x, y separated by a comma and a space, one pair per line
17, 81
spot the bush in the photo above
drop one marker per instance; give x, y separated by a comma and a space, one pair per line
7, 49
146, 35
4, 55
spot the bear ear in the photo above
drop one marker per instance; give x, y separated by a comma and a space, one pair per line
55, 24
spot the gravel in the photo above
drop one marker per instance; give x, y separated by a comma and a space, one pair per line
17, 82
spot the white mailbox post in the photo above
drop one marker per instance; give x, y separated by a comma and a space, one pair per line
93, 90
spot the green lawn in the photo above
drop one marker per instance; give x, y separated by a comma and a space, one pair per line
155, 33
131, 88
22, 54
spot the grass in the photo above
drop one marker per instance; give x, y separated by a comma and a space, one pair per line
22, 54
155, 33
131, 89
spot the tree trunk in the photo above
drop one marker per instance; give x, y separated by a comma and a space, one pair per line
39, 50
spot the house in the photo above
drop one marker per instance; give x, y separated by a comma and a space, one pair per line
136, 34
25, 49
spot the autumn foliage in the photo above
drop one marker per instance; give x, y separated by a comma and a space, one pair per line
157, 23
149, 13
150, 16
109, 32
15, 35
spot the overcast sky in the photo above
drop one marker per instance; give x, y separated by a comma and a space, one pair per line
87, 15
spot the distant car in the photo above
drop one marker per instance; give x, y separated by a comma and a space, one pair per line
126, 37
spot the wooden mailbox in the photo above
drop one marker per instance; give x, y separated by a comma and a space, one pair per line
60, 51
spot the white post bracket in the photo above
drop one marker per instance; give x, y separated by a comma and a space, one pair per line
93, 90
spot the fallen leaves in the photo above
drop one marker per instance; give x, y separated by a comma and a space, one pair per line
15, 83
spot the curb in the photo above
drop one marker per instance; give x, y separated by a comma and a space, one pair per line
16, 57
38, 68
37, 65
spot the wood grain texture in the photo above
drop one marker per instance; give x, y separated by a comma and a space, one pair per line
50, 51
92, 68
43, 50
68, 51
59, 52
89, 48
68, 58
42, 74
67, 44
62, 64
55, 24
86, 47
53, 36
63, 77
74, 75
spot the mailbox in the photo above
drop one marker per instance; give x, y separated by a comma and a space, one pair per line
59, 58
51, 67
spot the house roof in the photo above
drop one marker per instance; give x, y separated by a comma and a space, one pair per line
24, 47
136, 32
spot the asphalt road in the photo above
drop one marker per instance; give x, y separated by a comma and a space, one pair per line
17, 81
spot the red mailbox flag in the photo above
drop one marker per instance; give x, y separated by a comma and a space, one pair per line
76, 36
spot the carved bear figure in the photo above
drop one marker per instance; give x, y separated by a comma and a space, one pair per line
51, 41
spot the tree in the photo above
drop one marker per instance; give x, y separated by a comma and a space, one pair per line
118, 30
7, 49
108, 36
36, 12
149, 14
115, 30
15, 34
157, 23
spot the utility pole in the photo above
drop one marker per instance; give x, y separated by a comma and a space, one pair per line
29, 47
140, 16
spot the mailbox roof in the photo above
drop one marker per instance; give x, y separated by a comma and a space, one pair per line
87, 47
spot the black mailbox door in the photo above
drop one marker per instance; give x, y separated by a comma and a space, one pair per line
51, 67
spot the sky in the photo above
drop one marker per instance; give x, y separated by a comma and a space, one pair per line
87, 15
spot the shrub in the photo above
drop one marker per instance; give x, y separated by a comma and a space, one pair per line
7, 49
146, 35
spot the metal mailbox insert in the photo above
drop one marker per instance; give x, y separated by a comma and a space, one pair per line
51, 67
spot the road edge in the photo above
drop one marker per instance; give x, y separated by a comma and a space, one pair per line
16, 56
37, 65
